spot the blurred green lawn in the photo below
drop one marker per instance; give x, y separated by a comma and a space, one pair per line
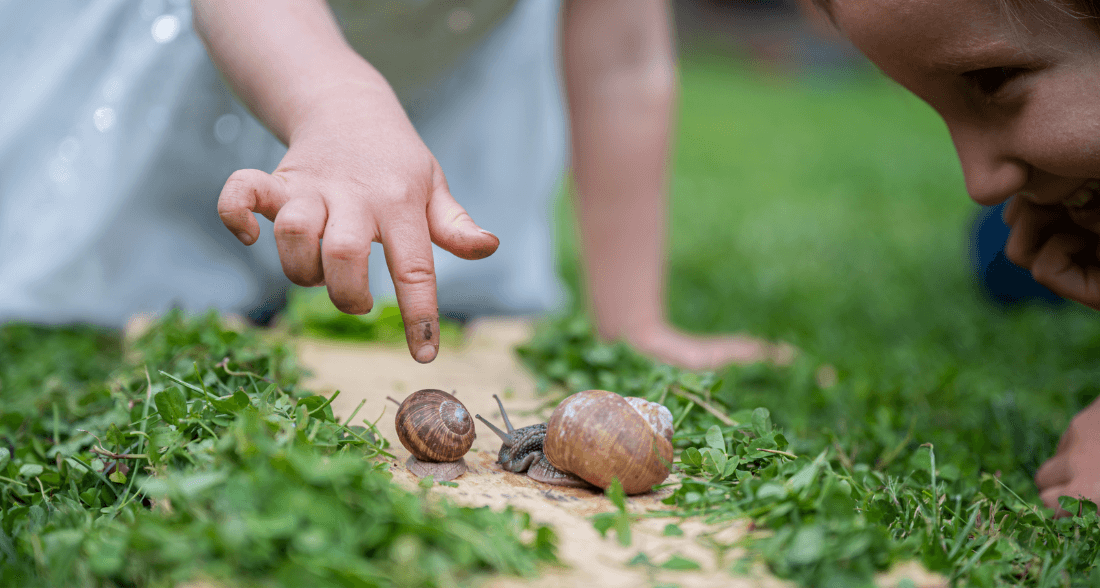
831, 213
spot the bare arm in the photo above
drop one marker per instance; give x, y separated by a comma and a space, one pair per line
281, 56
355, 171
620, 76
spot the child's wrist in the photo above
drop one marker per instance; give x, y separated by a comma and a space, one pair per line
317, 100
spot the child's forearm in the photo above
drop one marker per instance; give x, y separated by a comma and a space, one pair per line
619, 69
282, 57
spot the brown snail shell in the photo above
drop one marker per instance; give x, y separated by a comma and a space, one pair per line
437, 430
657, 415
598, 436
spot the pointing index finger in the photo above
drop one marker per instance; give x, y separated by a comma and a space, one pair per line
408, 250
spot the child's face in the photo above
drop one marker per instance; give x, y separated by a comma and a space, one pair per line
1021, 99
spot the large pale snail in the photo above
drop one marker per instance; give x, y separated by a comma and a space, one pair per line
437, 430
592, 437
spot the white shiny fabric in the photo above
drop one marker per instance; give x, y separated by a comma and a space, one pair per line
117, 133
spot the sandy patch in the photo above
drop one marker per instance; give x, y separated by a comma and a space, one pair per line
487, 365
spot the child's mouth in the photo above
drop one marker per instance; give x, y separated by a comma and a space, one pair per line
1083, 195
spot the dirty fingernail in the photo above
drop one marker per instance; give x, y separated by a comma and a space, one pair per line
426, 353
245, 238
488, 233
423, 336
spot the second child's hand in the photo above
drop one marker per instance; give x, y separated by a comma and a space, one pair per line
1058, 245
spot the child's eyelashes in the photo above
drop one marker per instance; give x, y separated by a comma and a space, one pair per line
990, 80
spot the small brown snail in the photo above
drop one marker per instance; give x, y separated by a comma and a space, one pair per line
437, 430
594, 436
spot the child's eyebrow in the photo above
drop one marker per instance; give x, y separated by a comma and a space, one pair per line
975, 55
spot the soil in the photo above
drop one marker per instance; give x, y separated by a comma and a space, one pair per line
485, 365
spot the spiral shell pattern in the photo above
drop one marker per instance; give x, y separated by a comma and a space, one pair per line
435, 426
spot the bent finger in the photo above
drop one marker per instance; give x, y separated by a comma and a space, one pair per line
1050, 500
298, 230
1055, 472
245, 192
452, 228
1087, 213
408, 251
1031, 227
345, 252
1058, 266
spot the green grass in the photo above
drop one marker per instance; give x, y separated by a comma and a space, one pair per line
832, 214
192, 455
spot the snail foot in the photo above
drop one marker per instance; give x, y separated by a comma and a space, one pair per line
543, 471
441, 471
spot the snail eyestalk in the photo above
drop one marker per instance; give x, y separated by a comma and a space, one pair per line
505, 437
504, 414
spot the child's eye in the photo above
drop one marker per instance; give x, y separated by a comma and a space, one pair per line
991, 79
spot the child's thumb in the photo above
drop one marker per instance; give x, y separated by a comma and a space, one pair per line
245, 192
452, 228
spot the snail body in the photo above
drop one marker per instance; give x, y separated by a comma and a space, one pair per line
592, 438
521, 452
437, 430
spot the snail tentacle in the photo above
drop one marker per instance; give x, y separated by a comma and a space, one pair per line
505, 437
504, 414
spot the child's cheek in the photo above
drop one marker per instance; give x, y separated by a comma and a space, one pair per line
1063, 138
1066, 122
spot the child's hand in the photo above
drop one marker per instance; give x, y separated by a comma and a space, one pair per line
356, 171
1058, 245
1075, 469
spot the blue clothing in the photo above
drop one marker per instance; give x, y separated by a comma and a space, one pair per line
117, 134
1001, 280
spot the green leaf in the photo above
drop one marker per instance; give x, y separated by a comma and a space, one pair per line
921, 459
30, 470
691, 381
171, 405
679, 562
117, 477
622, 530
714, 438
761, 421
691, 457
731, 466
808, 473
807, 546
603, 522
714, 461
115, 436
672, 530
616, 495
5, 457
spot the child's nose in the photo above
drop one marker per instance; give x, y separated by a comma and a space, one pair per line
992, 174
